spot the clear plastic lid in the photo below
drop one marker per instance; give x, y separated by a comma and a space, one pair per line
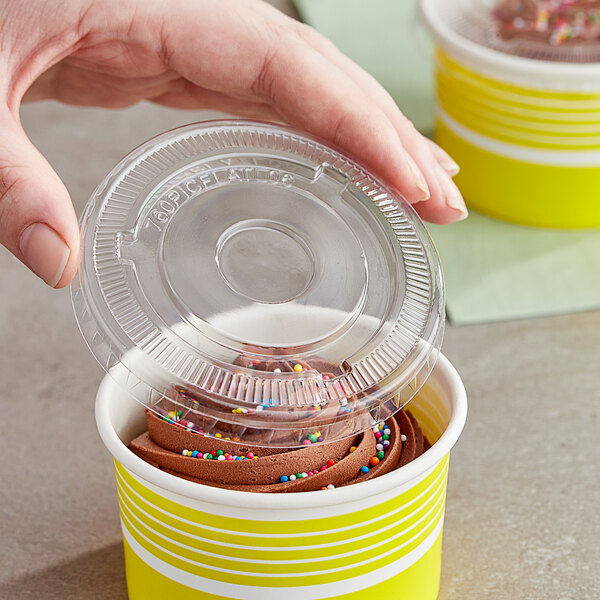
566, 31
258, 284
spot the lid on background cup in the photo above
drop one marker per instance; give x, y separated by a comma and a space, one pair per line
550, 30
258, 283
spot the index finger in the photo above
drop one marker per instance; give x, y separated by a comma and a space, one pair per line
267, 60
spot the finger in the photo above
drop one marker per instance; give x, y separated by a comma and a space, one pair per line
194, 96
278, 68
444, 159
426, 154
451, 209
37, 221
446, 203
325, 102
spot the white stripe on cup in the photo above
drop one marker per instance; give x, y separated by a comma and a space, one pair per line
436, 507
401, 563
561, 158
438, 482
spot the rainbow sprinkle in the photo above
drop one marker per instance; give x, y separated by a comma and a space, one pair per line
560, 20
217, 455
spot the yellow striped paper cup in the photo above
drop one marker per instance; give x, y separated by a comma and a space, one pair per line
525, 132
187, 541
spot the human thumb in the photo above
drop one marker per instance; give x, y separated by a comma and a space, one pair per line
37, 221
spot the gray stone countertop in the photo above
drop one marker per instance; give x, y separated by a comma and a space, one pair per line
522, 508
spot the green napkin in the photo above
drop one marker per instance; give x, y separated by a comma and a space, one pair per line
496, 271
493, 270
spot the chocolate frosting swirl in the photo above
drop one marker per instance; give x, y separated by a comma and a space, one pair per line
241, 458
314, 466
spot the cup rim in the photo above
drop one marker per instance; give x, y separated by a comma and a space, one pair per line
550, 74
109, 390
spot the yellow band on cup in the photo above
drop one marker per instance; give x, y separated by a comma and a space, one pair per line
310, 552
418, 582
477, 86
398, 526
526, 193
527, 155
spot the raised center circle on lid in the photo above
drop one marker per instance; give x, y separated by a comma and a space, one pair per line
265, 261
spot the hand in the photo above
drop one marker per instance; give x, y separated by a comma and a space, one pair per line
238, 56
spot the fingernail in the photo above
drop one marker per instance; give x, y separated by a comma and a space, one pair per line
454, 199
44, 252
419, 180
444, 159
449, 166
